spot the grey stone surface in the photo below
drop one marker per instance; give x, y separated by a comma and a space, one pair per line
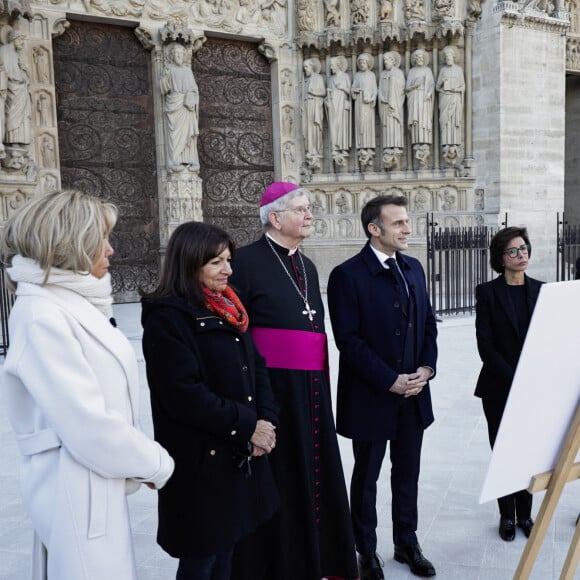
456, 533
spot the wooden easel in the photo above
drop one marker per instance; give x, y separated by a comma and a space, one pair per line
554, 481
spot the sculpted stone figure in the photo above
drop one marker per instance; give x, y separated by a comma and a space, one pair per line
181, 110
332, 13
451, 87
364, 92
40, 57
420, 90
414, 9
306, 15
339, 109
18, 105
359, 12
274, 13
391, 112
386, 9
313, 111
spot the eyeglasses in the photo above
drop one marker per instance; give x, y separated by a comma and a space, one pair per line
524, 249
300, 210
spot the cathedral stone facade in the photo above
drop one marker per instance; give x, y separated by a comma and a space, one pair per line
179, 110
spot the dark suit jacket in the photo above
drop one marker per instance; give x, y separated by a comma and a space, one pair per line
368, 322
498, 340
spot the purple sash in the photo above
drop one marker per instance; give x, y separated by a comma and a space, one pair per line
291, 349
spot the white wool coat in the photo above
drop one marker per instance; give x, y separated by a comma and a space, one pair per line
70, 384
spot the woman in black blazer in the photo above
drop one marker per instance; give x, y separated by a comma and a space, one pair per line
504, 309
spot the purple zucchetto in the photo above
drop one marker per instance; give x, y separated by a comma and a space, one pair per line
276, 190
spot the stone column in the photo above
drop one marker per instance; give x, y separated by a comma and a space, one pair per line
519, 131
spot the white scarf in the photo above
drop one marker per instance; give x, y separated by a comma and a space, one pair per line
96, 290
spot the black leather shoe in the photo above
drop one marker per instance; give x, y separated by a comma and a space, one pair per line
526, 524
413, 556
370, 567
507, 529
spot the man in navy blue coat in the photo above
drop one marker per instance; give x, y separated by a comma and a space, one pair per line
386, 333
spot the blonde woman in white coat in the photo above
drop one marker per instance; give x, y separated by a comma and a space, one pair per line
70, 386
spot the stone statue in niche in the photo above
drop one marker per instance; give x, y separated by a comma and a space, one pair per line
47, 153
391, 111
342, 204
451, 87
359, 12
448, 200
17, 103
364, 93
289, 154
181, 110
421, 201
43, 109
442, 8
313, 111
332, 13
40, 57
420, 89
414, 10
306, 15
339, 109
287, 121
317, 205
287, 85
385, 11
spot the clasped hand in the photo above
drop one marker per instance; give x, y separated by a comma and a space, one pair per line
264, 438
410, 385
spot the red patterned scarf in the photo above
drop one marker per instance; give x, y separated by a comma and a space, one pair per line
228, 306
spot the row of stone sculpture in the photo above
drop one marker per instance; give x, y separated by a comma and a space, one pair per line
390, 93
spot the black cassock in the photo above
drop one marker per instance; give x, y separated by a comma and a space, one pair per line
311, 536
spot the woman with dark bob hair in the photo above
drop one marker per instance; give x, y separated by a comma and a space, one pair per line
212, 405
71, 391
503, 310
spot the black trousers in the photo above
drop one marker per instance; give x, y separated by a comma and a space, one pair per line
515, 505
405, 455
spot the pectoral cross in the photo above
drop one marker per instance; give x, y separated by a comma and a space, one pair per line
310, 312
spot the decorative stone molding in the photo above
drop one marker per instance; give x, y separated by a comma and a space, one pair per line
529, 17
269, 51
59, 27
145, 38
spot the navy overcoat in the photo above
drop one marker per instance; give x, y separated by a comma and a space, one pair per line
368, 323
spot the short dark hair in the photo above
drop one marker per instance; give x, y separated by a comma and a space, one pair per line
371, 212
190, 247
499, 242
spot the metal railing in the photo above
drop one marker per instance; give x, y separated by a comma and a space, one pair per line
457, 261
568, 249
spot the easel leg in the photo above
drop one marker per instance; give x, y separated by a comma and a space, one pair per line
555, 487
573, 557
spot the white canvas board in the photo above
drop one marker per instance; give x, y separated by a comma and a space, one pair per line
544, 396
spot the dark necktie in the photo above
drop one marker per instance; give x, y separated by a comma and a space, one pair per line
394, 267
